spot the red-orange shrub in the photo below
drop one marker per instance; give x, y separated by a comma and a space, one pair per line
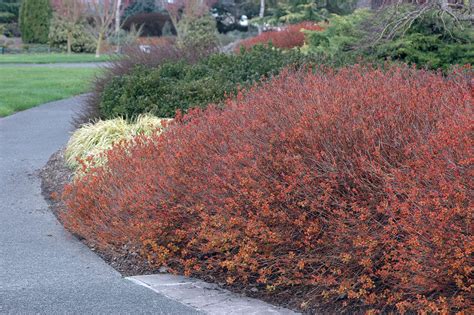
344, 190
290, 37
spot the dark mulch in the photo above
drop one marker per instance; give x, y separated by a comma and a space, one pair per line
54, 176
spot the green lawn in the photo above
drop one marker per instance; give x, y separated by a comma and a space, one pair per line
25, 87
51, 58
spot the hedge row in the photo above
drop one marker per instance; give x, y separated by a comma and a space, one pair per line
334, 191
180, 85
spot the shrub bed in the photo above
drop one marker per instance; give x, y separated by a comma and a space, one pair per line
179, 85
290, 37
341, 191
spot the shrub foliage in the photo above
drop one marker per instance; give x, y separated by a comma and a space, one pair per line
179, 85
342, 190
198, 33
430, 41
82, 41
290, 37
161, 51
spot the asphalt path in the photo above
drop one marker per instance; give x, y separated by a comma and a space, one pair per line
43, 268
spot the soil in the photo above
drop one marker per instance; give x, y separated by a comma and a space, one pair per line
54, 176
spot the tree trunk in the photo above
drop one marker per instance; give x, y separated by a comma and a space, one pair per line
117, 16
69, 41
262, 8
261, 14
174, 21
99, 44
117, 24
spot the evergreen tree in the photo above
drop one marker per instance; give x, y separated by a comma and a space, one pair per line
35, 16
9, 11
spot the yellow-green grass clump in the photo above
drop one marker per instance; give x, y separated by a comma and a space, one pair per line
89, 142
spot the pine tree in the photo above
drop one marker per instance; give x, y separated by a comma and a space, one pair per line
35, 16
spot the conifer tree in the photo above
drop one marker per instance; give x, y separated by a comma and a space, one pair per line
35, 16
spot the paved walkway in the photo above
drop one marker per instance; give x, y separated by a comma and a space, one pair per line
43, 269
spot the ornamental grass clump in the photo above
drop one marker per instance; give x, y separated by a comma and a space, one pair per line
331, 191
88, 143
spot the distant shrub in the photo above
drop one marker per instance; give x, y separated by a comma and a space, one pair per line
344, 191
179, 85
89, 142
307, 10
427, 50
82, 41
340, 35
428, 42
198, 33
290, 37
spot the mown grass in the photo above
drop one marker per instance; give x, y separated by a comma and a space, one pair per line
52, 58
25, 87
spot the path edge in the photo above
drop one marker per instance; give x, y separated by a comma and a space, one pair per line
205, 297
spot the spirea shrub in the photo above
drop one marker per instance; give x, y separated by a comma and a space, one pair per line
334, 191
290, 37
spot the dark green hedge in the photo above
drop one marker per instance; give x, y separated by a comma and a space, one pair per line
179, 85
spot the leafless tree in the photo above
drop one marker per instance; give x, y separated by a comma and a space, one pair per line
178, 8
104, 14
121, 6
